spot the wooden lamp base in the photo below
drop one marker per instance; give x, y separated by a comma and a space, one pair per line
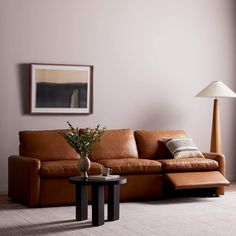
216, 132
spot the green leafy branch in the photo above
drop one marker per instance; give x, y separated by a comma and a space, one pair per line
83, 140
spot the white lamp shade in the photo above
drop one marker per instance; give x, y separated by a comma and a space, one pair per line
217, 89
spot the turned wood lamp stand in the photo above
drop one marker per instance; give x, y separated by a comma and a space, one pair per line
216, 131
216, 90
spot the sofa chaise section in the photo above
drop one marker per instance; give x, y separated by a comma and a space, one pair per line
150, 146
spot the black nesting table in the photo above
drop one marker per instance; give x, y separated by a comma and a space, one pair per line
97, 198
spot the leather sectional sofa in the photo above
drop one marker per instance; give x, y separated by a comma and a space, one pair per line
38, 176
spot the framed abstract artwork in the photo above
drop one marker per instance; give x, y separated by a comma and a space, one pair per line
61, 88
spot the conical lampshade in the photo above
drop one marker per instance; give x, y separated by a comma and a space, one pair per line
217, 89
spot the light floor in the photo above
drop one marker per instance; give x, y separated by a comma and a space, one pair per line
171, 217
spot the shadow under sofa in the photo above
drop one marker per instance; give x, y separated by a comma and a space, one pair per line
38, 176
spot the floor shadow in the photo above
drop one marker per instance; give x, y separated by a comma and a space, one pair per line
178, 200
7, 203
52, 227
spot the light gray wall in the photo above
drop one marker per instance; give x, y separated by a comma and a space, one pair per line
150, 58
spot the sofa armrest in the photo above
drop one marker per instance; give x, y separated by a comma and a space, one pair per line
220, 158
24, 179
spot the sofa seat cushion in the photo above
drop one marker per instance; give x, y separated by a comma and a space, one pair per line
132, 166
115, 144
188, 164
64, 169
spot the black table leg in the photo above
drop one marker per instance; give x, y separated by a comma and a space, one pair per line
97, 205
113, 202
81, 202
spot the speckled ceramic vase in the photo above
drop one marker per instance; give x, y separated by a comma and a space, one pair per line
83, 166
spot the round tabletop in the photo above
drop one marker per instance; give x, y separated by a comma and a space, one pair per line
93, 181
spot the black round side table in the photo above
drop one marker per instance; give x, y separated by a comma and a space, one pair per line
97, 198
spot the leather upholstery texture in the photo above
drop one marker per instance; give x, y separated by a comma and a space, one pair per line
220, 158
24, 179
132, 166
190, 180
65, 169
188, 164
56, 192
48, 145
149, 143
115, 144
142, 187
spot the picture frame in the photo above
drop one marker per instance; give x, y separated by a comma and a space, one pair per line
59, 88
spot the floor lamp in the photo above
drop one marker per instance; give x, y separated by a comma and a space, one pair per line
216, 90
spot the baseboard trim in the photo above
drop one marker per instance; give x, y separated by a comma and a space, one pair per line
4, 188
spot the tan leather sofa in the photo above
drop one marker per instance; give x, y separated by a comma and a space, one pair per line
38, 176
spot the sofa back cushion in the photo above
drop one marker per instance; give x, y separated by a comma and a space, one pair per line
149, 143
47, 145
115, 144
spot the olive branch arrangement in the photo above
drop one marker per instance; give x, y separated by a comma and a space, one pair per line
83, 140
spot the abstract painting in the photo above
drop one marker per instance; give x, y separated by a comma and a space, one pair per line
61, 88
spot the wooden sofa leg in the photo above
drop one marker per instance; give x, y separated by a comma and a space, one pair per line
220, 191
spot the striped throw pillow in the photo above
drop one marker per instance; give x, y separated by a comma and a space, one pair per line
182, 148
